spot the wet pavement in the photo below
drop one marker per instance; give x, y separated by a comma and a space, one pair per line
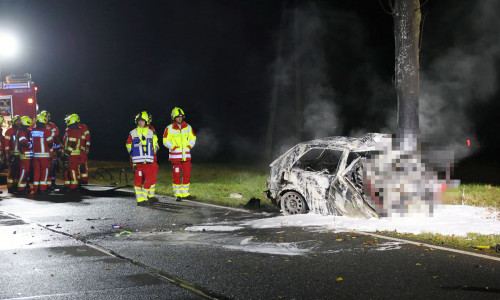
65, 247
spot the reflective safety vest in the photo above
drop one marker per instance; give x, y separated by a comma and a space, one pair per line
72, 141
179, 141
142, 150
41, 138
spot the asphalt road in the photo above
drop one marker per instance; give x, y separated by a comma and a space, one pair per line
65, 247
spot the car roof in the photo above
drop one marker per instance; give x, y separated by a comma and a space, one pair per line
366, 142
363, 143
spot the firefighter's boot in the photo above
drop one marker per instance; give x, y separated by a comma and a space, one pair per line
23, 192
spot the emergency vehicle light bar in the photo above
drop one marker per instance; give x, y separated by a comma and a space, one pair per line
15, 85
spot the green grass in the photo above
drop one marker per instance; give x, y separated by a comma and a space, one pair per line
467, 242
215, 182
473, 194
212, 183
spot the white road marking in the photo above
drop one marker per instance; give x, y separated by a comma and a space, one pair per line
430, 246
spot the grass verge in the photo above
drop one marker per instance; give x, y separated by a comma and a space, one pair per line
473, 194
468, 242
211, 183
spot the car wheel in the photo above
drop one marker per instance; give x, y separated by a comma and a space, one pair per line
292, 203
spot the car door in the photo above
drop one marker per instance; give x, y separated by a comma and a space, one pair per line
347, 190
313, 173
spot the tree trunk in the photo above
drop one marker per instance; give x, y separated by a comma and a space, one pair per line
407, 35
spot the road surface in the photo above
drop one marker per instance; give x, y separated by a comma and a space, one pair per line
65, 247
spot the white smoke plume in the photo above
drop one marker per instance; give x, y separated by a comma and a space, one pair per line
462, 75
207, 144
302, 64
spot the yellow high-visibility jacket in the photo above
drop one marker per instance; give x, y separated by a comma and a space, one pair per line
180, 141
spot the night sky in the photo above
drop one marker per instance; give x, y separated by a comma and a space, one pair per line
220, 61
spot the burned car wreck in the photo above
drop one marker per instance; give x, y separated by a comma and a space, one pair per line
324, 176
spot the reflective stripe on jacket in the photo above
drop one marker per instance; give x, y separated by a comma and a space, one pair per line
25, 144
142, 145
179, 141
72, 141
41, 138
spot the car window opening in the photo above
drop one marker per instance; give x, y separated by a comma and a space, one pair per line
320, 160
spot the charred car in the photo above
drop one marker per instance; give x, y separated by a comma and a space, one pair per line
324, 176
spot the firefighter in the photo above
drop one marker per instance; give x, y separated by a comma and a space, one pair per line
153, 186
25, 154
142, 145
12, 154
56, 149
179, 138
42, 139
84, 151
72, 140
2, 145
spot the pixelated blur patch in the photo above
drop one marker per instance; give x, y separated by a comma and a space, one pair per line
402, 180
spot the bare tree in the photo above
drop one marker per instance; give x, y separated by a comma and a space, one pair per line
407, 19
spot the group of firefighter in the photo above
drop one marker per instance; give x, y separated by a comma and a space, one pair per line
142, 146
33, 153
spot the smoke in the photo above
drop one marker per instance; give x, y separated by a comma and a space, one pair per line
463, 75
207, 144
321, 113
306, 106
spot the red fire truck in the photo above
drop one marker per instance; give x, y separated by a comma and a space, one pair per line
17, 97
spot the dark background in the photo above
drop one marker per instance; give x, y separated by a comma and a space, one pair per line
218, 60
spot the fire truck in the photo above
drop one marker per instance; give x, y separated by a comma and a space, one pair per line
17, 97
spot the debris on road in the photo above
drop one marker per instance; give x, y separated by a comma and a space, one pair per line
253, 203
123, 233
496, 248
235, 195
